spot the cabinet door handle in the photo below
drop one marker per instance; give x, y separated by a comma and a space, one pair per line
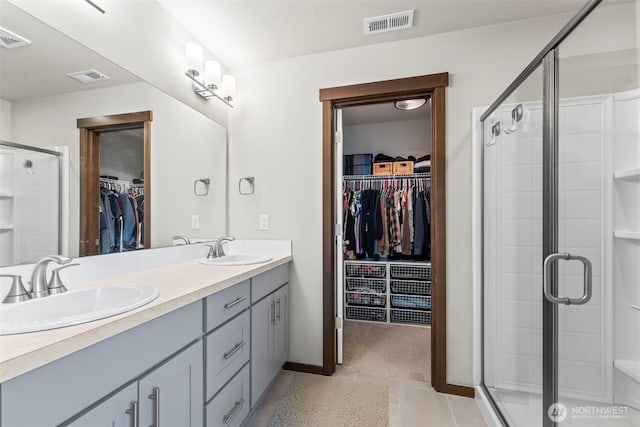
278, 309
234, 350
133, 411
155, 396
234, 302
233, 412
273, 312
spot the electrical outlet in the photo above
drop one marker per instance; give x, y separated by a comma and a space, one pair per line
264, 222
195, 222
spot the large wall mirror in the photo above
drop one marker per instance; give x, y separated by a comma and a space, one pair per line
41, 172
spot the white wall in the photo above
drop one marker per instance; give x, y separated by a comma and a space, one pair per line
140, 36
276, 135
5, 120
122, 154
402, 138
185, 146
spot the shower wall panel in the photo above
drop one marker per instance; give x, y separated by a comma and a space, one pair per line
37, 205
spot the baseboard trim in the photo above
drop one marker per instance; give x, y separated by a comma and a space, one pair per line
302, 367
460, 390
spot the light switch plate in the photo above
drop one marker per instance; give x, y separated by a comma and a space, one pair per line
264, 222
195, 222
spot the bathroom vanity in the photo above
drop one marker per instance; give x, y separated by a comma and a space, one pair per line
202, 353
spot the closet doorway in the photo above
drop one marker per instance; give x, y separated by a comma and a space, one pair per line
103, 170
430, 87
383, 271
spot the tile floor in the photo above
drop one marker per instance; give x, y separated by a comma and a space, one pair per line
411, 403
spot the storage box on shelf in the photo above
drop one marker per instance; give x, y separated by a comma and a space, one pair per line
390, 292
383, 168
357, 164
403, 167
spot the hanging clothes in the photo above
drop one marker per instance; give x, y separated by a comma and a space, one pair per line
120, 219
386, 219
371, 223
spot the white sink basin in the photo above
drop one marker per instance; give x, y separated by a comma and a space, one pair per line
236, 259
72, 308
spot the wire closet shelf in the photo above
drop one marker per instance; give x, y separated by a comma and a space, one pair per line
371, 181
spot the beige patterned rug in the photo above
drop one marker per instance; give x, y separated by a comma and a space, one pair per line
319, 401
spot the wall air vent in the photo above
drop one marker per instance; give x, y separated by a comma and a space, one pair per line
88, 76
11, 40
391, 22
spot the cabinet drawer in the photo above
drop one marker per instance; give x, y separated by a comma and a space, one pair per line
231, 406
223, 305
267, 282
228, 348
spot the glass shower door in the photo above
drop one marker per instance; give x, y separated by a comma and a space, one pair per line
512, 240
598, 137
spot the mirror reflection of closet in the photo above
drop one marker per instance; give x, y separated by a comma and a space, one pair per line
121, 190
115, 159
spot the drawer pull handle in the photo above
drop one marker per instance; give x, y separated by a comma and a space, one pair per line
273, 312
234, 350
233, 412
155, 396
133, 411
234, 302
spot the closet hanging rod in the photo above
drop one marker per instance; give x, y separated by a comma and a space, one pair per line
424, 175
114, 181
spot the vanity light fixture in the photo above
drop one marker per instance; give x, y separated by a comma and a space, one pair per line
211, 80
410, 104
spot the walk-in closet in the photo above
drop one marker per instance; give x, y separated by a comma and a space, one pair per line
384, 281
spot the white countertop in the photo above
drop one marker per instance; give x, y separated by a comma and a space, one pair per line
178, 284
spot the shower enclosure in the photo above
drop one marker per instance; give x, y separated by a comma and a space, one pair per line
30, 203
561, 230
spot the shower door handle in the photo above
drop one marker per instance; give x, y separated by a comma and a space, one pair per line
587, 287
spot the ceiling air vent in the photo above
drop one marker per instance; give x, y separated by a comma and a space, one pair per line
11, 40
88, 76
391, 22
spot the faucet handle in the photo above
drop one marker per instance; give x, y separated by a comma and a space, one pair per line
55, 284
219, 249
212, 252
17, 293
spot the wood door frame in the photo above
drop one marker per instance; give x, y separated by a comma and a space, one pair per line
90, 130
432, 86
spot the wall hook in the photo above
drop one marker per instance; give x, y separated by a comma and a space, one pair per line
252, 187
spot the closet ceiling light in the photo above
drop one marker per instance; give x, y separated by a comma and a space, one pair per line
410, 104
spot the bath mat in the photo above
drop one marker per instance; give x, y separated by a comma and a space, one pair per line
319, 401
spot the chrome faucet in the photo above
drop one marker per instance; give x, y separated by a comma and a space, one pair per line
218, 251
179, 237
39, 288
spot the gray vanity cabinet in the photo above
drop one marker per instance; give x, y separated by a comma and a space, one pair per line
154, 374
281, 328
71, 388
112, 412
261, 347
269, 328
172, 394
